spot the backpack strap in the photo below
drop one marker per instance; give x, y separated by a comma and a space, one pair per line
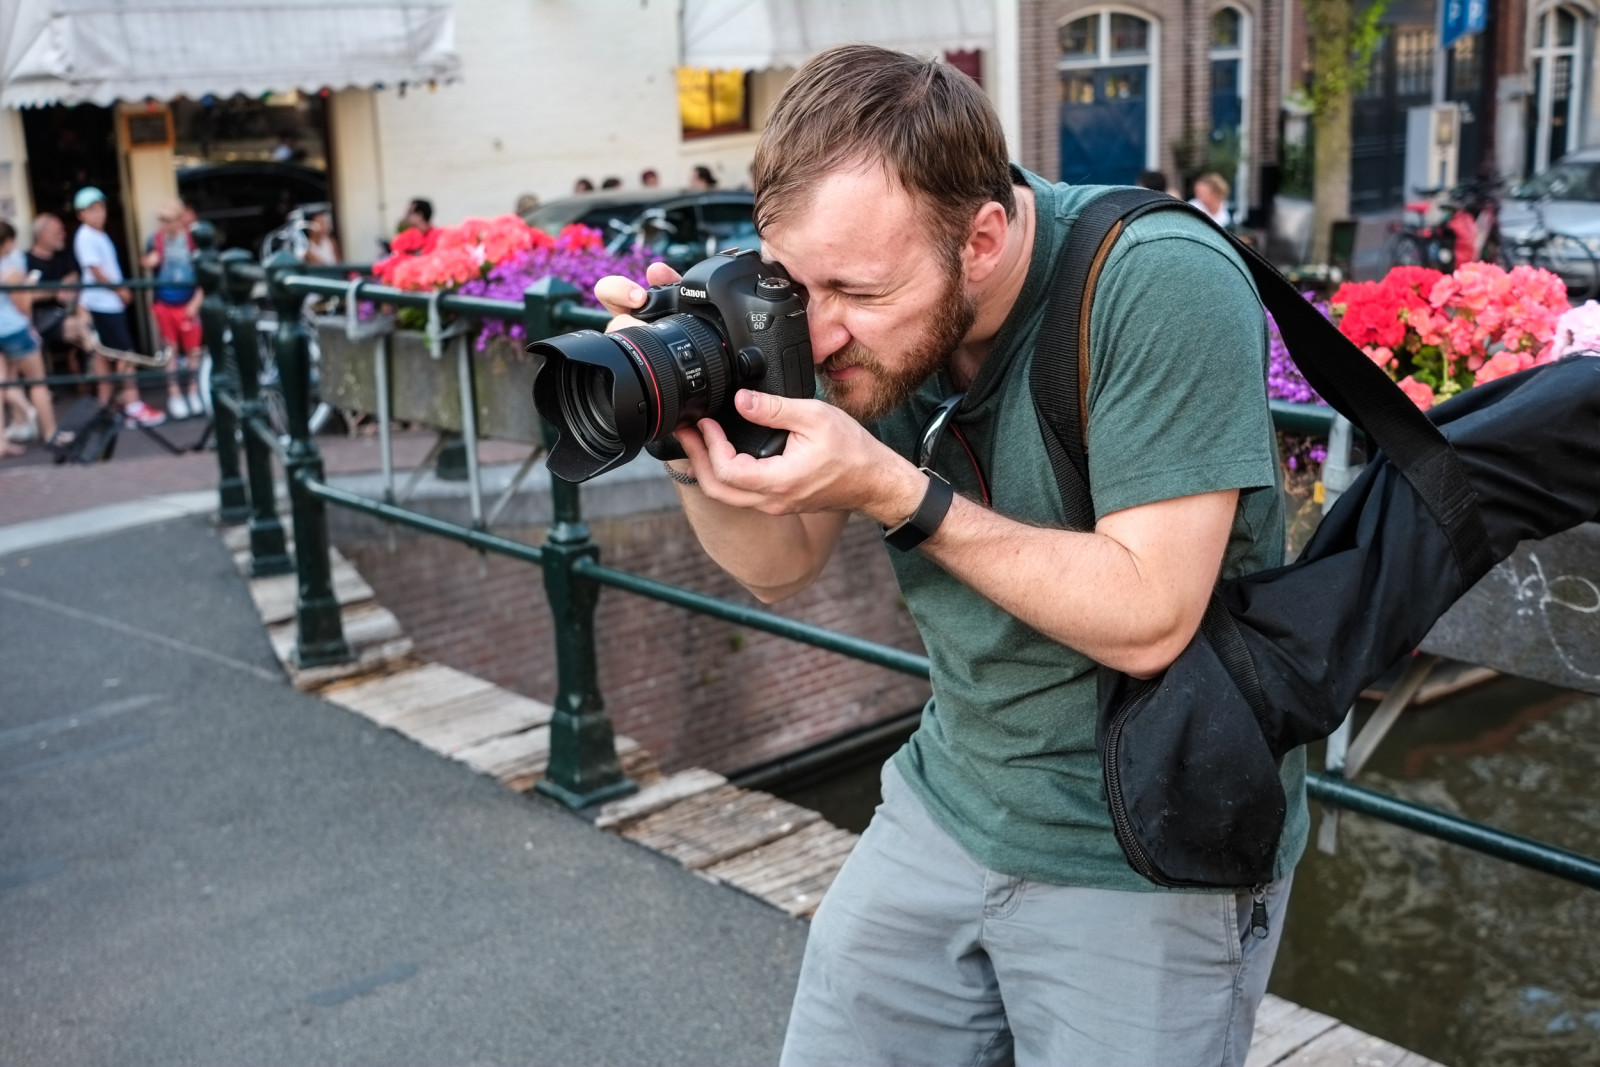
1340, 372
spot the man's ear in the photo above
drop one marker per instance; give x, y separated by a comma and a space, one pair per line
986, 242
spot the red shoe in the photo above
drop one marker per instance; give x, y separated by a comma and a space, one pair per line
139, 413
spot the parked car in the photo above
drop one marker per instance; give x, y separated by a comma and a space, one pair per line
247, 201
680, 228
1559, 210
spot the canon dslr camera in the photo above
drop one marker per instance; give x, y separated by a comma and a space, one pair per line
732, 322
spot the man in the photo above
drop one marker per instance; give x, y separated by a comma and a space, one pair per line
176, 307
97, 257
987, 914
61, 321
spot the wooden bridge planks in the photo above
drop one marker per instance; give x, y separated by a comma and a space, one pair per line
1288, 1035
717, 825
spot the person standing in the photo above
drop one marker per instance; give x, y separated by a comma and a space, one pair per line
1211, 196
107, 304
58, 317
20, 355
321, 248
170, 255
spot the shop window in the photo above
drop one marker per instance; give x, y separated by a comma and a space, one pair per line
713, 102
1081, 37
1129, 35
276, 128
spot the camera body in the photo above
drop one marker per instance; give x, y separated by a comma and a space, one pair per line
732, 322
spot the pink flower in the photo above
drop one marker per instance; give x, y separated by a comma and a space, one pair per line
1503, 363
1420, 394
1577, 330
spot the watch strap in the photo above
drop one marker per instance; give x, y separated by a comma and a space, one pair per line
926, 519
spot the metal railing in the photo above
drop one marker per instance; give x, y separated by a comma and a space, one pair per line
583, 769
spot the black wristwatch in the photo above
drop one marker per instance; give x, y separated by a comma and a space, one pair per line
929, 514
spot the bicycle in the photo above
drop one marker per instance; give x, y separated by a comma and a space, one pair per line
1453, 225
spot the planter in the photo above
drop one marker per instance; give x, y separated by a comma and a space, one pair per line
1537, 615
427, 390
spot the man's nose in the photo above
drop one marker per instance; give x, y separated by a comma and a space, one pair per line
828, 334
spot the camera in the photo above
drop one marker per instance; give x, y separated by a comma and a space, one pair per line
731, 323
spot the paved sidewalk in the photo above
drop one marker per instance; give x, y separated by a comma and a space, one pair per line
200, 865
32, 489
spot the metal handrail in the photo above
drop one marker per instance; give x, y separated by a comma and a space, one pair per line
583, 767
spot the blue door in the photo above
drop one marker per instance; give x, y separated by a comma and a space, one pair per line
1103, 125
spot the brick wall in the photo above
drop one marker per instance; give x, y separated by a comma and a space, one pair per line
694, 690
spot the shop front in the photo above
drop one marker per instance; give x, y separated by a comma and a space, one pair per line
225, 106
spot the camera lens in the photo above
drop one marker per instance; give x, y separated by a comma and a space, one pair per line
610, 395
586, 406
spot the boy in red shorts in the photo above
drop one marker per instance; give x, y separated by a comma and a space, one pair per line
170, 254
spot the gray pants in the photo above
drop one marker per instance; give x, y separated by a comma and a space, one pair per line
918, 955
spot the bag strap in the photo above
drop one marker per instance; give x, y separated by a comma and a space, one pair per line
1340, 372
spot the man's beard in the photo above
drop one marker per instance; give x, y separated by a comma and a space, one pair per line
871, 395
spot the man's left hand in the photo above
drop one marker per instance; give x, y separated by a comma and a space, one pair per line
830, 463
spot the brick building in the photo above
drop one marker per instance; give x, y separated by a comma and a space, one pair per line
1108, 89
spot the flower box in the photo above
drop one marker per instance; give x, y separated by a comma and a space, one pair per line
427, 390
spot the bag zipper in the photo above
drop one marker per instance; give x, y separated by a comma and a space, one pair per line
1260, 925
1121, 825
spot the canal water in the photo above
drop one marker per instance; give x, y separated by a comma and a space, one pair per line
1467, 960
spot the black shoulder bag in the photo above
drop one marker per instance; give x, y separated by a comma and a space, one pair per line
1191, 757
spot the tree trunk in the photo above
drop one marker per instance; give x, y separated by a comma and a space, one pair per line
1332, 24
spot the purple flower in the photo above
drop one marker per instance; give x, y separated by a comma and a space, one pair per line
1284, 381
581, 267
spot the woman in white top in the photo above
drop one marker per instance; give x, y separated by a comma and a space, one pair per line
1211, 196
320, 245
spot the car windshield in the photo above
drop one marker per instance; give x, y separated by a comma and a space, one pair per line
1564, 181
552, 217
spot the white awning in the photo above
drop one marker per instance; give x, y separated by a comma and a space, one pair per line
101, 51
759, 34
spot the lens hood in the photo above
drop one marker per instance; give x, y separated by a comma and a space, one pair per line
577, 455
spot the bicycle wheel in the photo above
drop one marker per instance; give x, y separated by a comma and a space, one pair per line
1404, 250
1569, 259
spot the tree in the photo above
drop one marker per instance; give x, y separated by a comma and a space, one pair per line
1344, 36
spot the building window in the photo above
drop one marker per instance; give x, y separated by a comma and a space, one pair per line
1108, 69
713, 102
1413, 60
1554, 105
1230, 100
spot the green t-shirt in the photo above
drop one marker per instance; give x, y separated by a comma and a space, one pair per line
1005, 755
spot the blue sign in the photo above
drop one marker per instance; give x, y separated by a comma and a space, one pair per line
1462, 17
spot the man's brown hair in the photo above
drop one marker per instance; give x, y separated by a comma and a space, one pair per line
926, 123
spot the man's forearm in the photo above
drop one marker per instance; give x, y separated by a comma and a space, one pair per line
1088, 591
773, 556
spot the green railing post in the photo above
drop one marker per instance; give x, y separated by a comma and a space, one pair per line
319, 633
233, 506
584, 769
269, 553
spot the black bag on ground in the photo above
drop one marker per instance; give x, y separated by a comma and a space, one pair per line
87, 433
1191, 758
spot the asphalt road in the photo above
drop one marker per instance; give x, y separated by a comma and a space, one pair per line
201, 865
